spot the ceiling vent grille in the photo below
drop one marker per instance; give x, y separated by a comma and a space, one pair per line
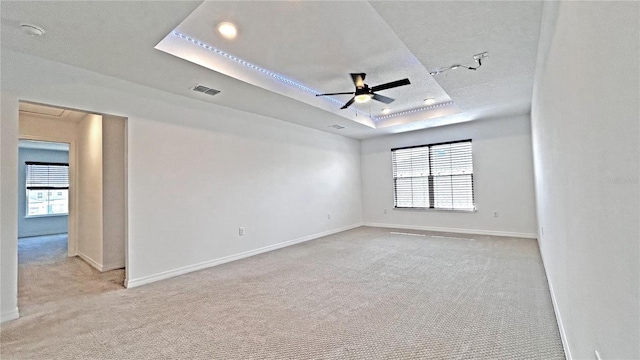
337, 127
205, 90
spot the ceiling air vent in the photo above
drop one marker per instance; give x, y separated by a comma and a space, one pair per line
337, 127
205, 90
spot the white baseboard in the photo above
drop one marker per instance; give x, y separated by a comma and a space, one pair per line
556, 310
98, 266
90, 261
9, 315
454, 230
112, 267
131, 283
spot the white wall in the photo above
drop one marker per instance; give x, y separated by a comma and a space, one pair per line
503, 179
8, 207
196, 172
114, 199
39, 225
195, 181
90, 190
586, 149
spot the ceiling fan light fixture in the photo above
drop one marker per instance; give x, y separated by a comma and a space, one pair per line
364, 93
362, 98
227, 30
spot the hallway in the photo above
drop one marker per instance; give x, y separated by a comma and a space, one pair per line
46, 275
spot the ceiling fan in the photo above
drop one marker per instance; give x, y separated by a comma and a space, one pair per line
365, 93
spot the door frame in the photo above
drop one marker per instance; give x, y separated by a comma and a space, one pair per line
72, 219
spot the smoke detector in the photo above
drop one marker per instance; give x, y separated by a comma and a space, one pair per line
32, 30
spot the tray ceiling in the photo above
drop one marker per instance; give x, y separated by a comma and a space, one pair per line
282, 49
316, 47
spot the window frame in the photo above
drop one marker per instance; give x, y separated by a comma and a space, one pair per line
431, 176
46, 191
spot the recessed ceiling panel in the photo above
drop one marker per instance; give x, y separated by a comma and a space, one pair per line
50, 112
279, 47
41, 109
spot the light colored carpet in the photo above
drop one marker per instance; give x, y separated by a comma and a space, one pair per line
48, 277
362, 294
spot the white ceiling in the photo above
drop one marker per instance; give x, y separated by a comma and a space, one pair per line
118, 39
319, 52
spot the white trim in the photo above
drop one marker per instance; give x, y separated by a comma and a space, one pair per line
556, 310
112, 267
131, 283
44, 216
455, 230
9, 315
90, 261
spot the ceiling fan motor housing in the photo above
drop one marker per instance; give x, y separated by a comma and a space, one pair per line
363, 90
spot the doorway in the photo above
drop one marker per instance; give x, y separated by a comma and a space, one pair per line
72, 237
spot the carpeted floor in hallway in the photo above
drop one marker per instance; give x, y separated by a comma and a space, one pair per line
48, 277
367, 293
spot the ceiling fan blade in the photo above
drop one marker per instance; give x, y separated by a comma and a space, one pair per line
390, 85
340, 93
348, 103
384, 99
358, 79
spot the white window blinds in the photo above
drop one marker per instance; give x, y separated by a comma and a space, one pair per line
437, 176
47, 176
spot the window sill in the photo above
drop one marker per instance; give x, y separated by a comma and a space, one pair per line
44, 216
436, 210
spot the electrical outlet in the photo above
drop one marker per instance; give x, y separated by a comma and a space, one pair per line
495, 214
241, 231
329, 216
385, 211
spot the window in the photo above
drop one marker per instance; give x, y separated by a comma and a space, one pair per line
47, 188
437, 176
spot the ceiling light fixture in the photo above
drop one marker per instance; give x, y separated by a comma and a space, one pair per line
32, 29
429, 101
227, 30
362, 98
478, 59
386, 111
